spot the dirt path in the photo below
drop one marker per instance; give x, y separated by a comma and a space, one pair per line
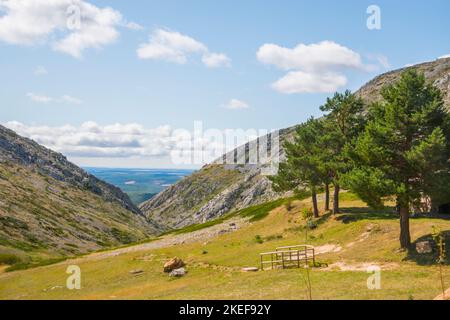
361, 267
441, 296
229, 226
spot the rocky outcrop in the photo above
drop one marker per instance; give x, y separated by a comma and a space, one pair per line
173, 264
219, 188
26, 152
50, 208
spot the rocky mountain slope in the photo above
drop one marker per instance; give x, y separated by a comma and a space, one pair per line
49, 207
218, 189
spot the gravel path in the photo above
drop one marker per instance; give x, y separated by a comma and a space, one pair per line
202, 235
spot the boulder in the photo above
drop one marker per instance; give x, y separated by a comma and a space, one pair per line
178, 273
175, 263
424, 247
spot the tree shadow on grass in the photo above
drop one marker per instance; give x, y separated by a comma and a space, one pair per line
353, 214
427, 259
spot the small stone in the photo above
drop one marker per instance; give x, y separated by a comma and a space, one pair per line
178, 273
424, 247
136, 272
175, 263
250, 269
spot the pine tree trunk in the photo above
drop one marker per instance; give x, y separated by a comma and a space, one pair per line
405, 237
327, 197
337, 189
315, 206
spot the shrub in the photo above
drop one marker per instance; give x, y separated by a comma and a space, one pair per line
311, 225
307, 213
9, 259
259, 239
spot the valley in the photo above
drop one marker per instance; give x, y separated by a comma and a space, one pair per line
347, 244
120, 226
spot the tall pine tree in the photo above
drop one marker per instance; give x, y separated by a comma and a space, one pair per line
403, 151
343, 123
303, 166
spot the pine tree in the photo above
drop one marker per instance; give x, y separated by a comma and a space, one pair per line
403, 152
343, 123
302, 168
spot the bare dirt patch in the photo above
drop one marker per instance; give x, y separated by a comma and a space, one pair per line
441, 296
229, 226
327, 248
361, 267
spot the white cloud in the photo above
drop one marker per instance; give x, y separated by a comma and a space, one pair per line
235, 104
40, 71
444, 56
46, 99
172, 46
323, 55
51, 22
133, 142
93, 140
312, 68
381, 59
215, 60
72, 100
134, 26
304, 82
39, 98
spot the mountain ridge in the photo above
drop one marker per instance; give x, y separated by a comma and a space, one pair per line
248, 186
50, 208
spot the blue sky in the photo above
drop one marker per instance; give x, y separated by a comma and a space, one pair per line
109, 83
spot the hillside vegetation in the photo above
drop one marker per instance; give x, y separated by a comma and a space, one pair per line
347, 243
248, 187
43, 218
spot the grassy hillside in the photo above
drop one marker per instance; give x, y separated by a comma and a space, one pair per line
189, 202
349, 242
42, 219
177, 205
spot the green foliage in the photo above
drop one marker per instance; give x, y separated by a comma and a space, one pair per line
403, 150
439, 239
311, 224
259, 239
34, 264
122, 236
261, 211
307, 213
343, 123
9, 259
11, 222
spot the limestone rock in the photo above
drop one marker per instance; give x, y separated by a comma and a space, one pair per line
424, 247
178, 273
173, 264
250, 269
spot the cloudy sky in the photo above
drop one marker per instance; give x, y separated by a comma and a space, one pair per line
114, 83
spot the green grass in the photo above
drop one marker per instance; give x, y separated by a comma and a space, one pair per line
33, 264
9, 259
255, 213
214, 266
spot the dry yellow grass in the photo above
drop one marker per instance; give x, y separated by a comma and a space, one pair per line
214, 265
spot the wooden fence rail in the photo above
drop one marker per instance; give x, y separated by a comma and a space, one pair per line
288, 257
